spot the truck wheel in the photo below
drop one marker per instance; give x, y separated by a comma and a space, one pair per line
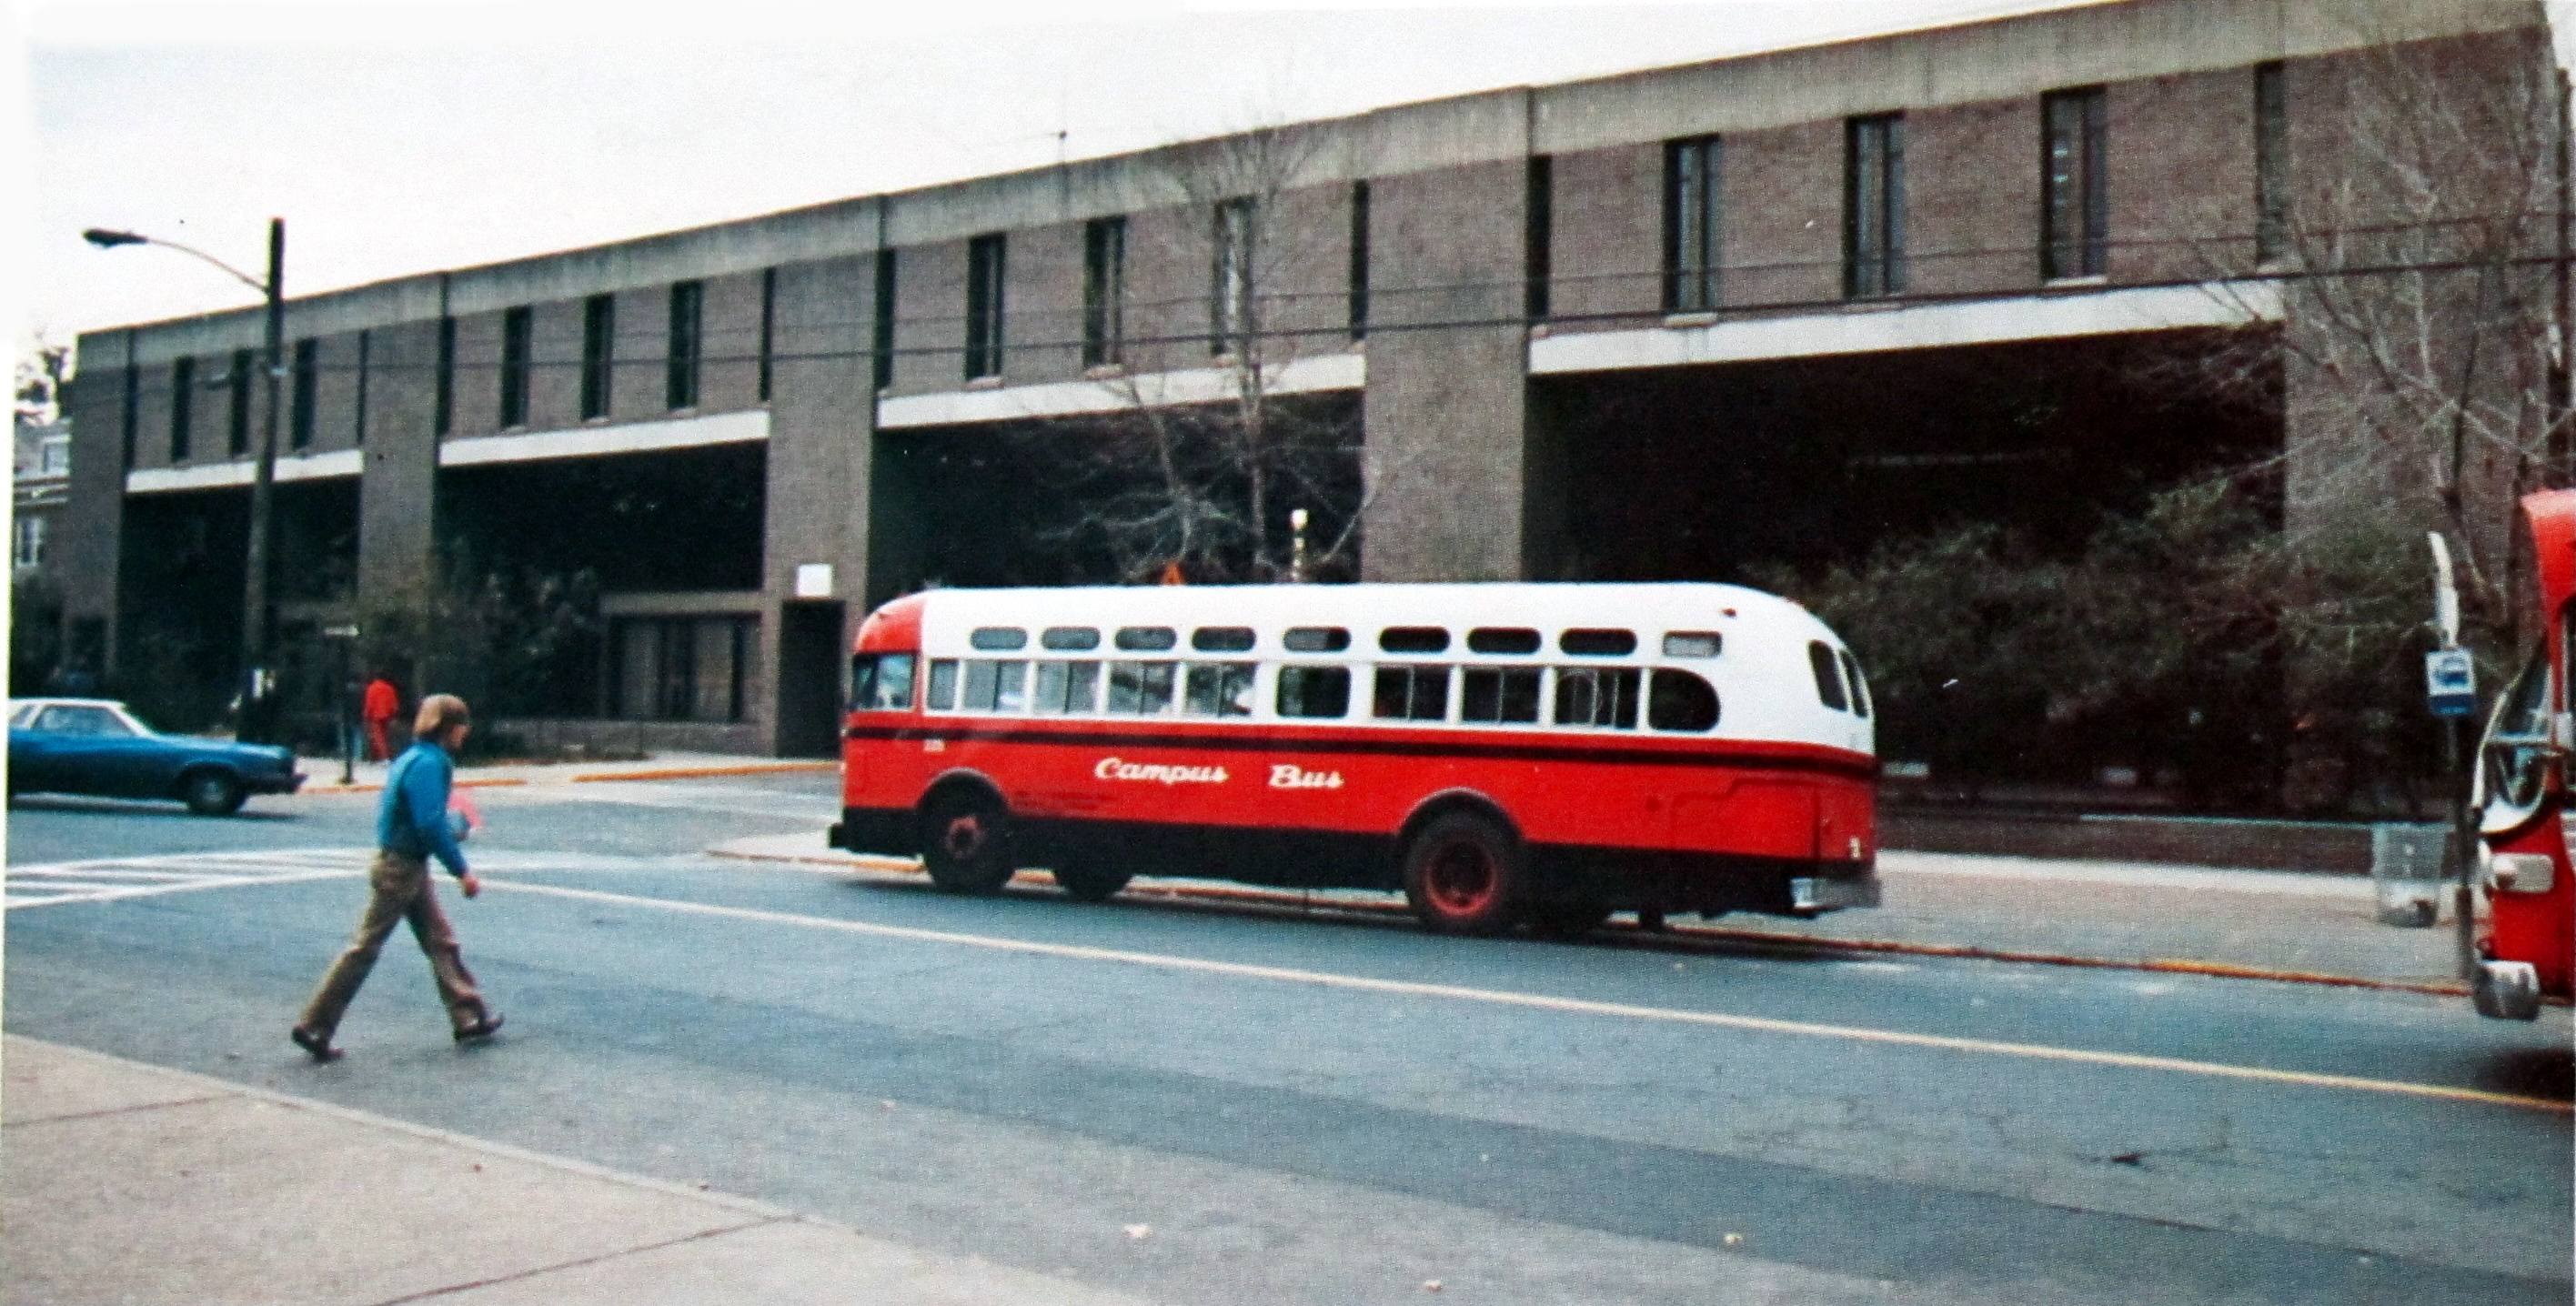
966, 842
1464, 873
210, 793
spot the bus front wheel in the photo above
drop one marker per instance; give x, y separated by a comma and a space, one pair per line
966, 843
1463, 874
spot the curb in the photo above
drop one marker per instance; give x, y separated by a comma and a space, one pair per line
1767, 938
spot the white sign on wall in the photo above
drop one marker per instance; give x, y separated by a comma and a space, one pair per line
813, 580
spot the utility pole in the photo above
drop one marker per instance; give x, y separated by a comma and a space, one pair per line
255, 713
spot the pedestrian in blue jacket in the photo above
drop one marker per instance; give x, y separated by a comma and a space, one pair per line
411, 827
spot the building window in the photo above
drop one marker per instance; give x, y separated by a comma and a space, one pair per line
1874, 206
2074, 185
1104, 290
2271, 166
768, 327
1538, 235
679, 668
308, 374
518, 336
237, 416
881, 342
598, 353
1690, 225
358, 419
183, 401
688, 311
984, 268
1230, 281
54, 456
442, 418
133, 408
1359, 260
30, 541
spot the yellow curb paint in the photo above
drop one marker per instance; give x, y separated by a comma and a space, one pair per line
1578, 1006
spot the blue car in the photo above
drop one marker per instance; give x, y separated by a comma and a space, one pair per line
95, 746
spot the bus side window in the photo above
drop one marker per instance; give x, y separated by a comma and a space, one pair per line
1597, 696
1829, 677
1499, 694
993, 686
1317, 639
1412, 693
1314, 691
1679, 700
1140, 688
943, 685
1065, 687
1218, 689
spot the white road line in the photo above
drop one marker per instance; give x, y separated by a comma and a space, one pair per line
109, 879
1544, 1002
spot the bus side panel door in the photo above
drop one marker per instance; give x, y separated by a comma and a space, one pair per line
1757, 818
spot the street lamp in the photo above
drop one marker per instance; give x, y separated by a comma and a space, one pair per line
254, 646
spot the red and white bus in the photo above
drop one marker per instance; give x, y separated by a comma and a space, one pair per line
1506, 754
2527, 945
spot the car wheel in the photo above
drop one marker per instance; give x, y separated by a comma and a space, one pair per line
210, 793
1464, 873
1090, 883
966, 842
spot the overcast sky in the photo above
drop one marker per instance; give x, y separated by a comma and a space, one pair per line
404, 138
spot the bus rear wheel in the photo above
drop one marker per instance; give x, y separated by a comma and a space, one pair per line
1091, 883
966, 843
1464, 874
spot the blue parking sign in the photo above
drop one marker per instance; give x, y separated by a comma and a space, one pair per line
2450, 682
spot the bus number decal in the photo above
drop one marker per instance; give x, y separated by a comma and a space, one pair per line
1112, 768
1289, 776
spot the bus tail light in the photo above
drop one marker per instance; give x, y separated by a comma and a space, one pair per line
2521, 872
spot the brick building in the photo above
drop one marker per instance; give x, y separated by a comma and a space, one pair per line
1670, 323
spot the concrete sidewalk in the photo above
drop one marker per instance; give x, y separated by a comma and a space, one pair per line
322, 774
128, 1183
2284, 925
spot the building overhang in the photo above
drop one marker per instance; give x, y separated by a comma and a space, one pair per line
1206, 385
593, 441
1879, 327
217, 476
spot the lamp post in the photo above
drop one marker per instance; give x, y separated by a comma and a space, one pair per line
254, 644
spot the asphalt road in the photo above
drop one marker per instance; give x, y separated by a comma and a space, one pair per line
1198, 1105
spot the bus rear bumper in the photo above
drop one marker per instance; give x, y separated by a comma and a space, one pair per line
1812, 895
2506, 990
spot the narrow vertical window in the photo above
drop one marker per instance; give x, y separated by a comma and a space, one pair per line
598, 353
1104, 290
237, 417
1690, 225
518, 333
1230, 280
2271, 166
133, 406
183, 401
299, 427
881, 343
1539, 234
442, 416
680, 373
358, 417
2074, 186
1874, 206
985, 257
1359, 260
768, 328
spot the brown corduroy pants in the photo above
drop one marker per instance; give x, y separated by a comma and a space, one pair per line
401, 892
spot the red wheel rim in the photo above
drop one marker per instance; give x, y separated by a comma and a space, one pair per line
1460, 879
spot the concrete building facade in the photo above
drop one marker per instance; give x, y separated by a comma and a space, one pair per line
1589, 329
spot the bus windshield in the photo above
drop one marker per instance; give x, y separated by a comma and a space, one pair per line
2516, 754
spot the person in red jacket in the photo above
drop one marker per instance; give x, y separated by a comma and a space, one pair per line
380, 706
